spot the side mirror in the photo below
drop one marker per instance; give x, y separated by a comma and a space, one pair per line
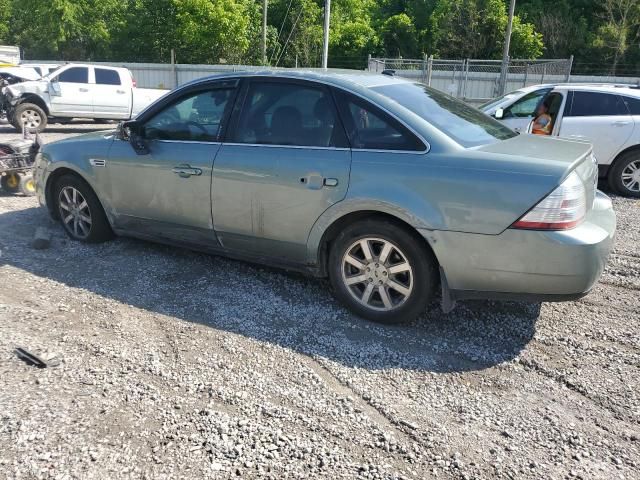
134, 132
55, 87
499, 113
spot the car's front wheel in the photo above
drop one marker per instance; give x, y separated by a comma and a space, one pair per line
80, 211
382, 272
624, 177
29, 116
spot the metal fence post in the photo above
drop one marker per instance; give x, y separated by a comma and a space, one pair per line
526, 74
174, 70
569, 68
429, 69
544, 72
424, 68
466, 78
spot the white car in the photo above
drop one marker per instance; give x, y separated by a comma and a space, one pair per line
77, 91
608, 116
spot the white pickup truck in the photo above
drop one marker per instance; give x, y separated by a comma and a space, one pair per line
76, 91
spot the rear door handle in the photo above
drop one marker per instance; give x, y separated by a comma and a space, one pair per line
84, 89
621, 123
120, 91
186, 171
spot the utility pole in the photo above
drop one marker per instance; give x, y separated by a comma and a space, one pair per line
264, 31
325, 46
505, 53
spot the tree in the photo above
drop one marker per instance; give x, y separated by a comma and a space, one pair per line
400, 36
621, 18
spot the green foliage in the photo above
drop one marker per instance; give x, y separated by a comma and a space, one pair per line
213, 31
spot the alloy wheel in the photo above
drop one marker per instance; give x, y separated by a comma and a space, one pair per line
75, 212
631, 176
30, 118
377, 274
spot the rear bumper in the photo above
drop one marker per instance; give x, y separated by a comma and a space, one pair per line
527, 265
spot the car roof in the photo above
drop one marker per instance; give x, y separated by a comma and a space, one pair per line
630, 90
338, 77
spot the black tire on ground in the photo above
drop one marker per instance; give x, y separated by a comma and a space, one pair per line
35, 117
10, 183
99, 229
624, 166
405, 243
27, 185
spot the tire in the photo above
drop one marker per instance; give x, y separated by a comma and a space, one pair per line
624, 177
27, 185
394, 296
32, 114
86, 206
10, 183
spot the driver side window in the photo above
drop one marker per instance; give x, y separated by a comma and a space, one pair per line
196, 117
526, 106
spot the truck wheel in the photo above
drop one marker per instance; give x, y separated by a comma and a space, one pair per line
29, 115
624, 177
27, 185
10, 183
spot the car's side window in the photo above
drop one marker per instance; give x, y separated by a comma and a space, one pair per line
526, 106
279, 113
370, 128
594, 104
75, 75
633, 104
196, 117
105, 76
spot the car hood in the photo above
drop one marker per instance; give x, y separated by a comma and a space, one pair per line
36, 86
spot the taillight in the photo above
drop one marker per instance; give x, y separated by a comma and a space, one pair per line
133, 80
562, 209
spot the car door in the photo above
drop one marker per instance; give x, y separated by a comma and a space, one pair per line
165, 192
519, 114
111, 95
287, 160
70, 93
600, 118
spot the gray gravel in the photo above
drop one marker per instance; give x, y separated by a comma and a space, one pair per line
177, 364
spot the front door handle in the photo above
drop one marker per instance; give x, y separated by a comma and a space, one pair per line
84, 89
620, 123
186, 171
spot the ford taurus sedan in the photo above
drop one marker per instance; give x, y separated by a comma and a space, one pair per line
389, 188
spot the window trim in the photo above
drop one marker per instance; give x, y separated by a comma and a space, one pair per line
367, 101
224, 123
242, 99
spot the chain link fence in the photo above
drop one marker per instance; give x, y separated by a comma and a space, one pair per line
476, 81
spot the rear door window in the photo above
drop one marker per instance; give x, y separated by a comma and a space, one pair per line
75, 75
633, 104
106, 76
595, 104
370, 128
281, 113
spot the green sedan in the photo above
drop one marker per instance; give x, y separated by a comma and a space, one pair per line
389, 188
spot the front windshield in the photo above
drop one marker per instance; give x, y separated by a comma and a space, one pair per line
464, 124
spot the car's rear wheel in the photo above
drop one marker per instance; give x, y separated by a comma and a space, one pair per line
80, 211
29, 116
382, 272
624, 177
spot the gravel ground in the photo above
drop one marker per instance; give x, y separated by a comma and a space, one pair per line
176, 364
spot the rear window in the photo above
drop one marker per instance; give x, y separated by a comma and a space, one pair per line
633, 104
464, 124
107, 77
